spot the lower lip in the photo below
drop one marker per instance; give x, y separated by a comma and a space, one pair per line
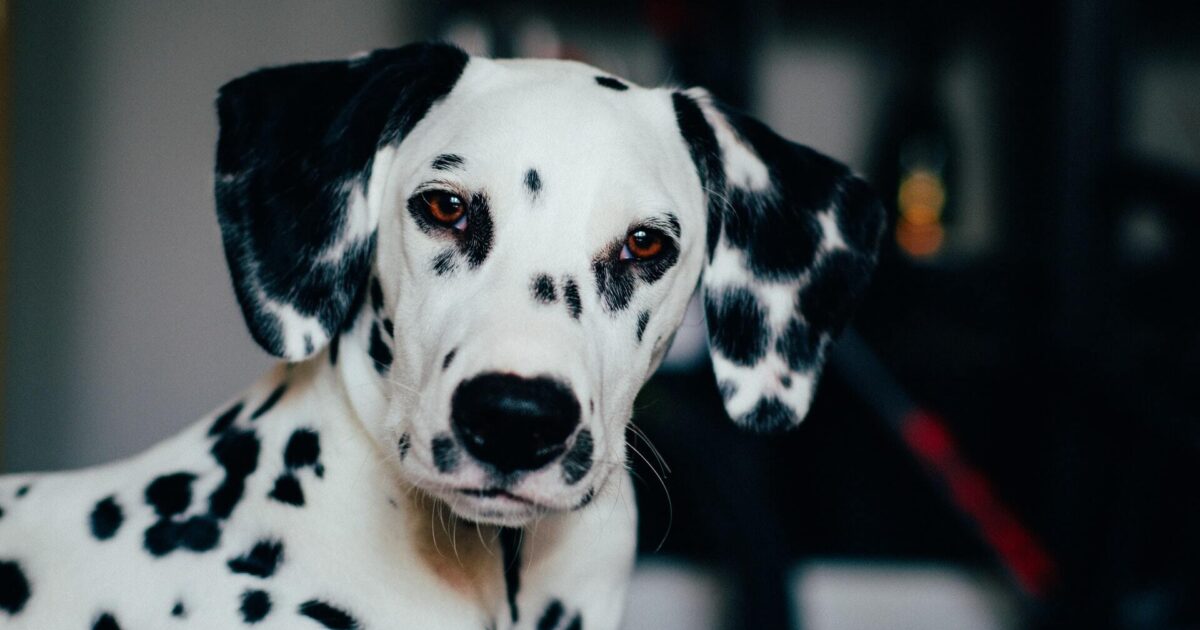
494, 494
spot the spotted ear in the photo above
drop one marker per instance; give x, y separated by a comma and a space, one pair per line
294, 160
792, 240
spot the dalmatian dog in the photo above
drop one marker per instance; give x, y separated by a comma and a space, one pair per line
469, 268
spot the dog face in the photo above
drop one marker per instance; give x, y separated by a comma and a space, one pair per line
515, 243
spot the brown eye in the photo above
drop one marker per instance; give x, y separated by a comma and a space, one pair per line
643, 244
444, 207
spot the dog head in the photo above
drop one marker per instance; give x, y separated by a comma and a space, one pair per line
512, 244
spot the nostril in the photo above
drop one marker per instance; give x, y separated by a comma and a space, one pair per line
514, 423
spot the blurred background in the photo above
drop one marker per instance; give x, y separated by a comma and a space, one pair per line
1009, 439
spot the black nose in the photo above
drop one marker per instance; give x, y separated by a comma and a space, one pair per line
514, 423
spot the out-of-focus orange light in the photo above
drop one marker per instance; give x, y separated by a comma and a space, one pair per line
921, 198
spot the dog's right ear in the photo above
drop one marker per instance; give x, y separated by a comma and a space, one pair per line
294, 158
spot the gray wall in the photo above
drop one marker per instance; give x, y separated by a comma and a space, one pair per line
123, 325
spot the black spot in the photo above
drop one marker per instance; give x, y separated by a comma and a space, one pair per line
550, 618
1, 512
612, 84
287, 490
643, 319
162, 537
785, 381
834, 289
178, 610
14, 587
578, 461
376, 295
380, 352
106, 518
200, 533
403, 444
261, 561
269, 402
571, 297
737, 325
543, 289
106, 622
445, 453
477, 241
333, 349
236, 452
328, 616
591, 405
444, 263
225, 420
576, 622
255, 606
22, 491
389, 328
170, 494
533, 182
449, 358
768, 416
446, 162
308, 345
303, 449
510, 546
799, 345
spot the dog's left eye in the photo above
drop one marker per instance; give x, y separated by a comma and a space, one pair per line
445, 208
643, 244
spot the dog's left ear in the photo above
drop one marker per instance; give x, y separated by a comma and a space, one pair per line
792, 239
294, 158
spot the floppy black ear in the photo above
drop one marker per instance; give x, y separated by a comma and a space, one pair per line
294, 159
792, 240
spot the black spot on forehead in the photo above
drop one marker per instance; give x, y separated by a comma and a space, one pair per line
572, 298
260, 561
445, 453
444, 263
287, 490
269, 402
22, 491
106, 518
799, 345
170, 494
769, 415
14, 587
612, 84
327, 615
510, 546
178, 610
403, 444
303, 449
226, 419
578, 460
380, 353
447, 162
106, 621
551, 616
643, 319
737, 325
256, 605
533, 182
542, 287
449, 358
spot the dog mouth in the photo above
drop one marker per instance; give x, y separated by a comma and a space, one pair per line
496, 493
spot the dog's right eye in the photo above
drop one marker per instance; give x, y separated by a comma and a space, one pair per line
445, 208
